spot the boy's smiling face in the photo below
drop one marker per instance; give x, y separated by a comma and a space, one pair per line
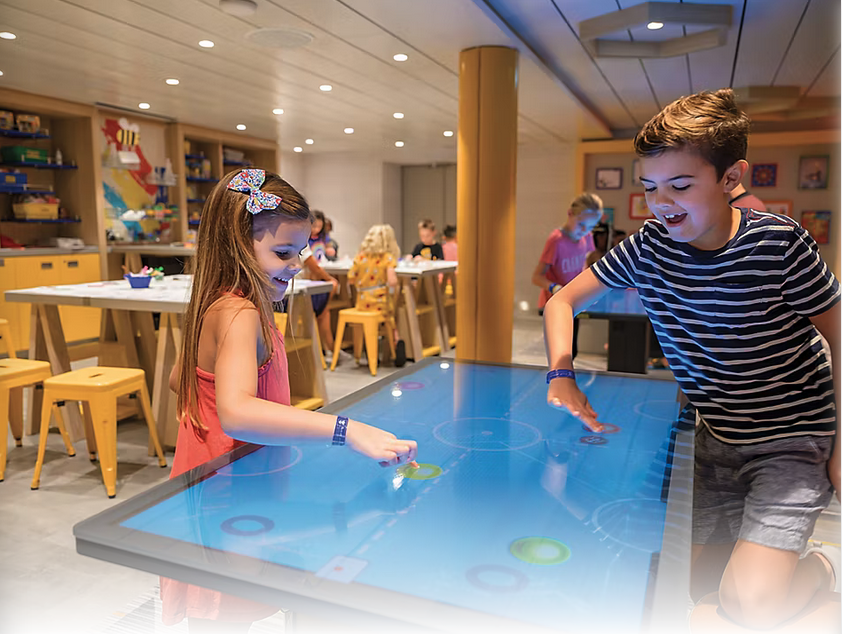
684, 194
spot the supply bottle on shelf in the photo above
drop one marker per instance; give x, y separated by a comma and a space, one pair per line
58, 157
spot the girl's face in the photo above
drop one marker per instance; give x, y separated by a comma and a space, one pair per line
278, 243
316, 228
582, 224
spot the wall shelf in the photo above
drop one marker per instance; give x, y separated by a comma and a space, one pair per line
197, 179
40, 166
47, 192
196, 200
16, 134
45, 221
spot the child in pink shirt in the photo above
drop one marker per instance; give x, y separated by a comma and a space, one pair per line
567, 248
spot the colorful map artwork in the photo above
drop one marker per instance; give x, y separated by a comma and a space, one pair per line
125, 188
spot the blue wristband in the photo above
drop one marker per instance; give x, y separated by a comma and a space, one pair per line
340, 430
560, 374
552, 286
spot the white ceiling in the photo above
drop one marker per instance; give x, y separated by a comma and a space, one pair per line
119, 52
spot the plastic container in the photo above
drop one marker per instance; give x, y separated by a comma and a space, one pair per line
138, 281
35, 211
22, 154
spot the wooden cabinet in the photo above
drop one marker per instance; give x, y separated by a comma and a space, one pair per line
10, 310
51, 270
79, 323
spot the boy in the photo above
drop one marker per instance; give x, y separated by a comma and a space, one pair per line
428, 248
566, 250
738, 299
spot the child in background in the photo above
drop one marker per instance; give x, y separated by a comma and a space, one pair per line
428, 248
617, 236
232, 377
566, 251
738, 299
450, 249
373, 274
331, 247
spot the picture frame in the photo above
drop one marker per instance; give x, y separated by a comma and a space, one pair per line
638, 209
608, 216
780, 207
813, 171
817, 224
764, 175
609, 178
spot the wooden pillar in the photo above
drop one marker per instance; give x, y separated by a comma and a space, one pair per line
485, 192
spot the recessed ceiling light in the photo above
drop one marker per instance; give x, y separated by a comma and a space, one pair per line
241, 126
398, 143
143, 105
297, 148
448, 133
278, 111
309, 141
654, 26
172, 82
325, 87
8, 36
398, 115
349, 130
206, 44
400, 57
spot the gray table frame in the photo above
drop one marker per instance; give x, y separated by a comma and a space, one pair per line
375, 608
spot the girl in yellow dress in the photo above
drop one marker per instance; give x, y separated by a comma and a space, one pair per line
373, 275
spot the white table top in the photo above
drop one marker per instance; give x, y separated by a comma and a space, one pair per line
170, 295
411, 269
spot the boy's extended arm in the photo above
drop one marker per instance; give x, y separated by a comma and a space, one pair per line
583, 291
828, 325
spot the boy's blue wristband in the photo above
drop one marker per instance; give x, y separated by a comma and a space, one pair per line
340, 430
560, 374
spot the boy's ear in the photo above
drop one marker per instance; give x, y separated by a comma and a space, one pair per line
734, 175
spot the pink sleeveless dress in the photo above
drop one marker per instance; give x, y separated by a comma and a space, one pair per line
195, 447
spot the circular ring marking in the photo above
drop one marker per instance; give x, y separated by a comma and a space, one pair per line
593, 440
607, 428
266, 525
518, 580
504, 434
542, 551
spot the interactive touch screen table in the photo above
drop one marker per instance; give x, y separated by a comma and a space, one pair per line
517, 518
628, 329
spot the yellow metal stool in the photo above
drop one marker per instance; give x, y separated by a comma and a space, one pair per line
99, 388
16, 373
370, 322
6, 336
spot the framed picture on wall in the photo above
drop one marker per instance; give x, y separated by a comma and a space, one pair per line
764, 175
609, 177
812, 172
780, 207
638, 209
817, 224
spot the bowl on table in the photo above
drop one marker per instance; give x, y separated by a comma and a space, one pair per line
138, 281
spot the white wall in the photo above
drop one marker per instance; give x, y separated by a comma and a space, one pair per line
392, 202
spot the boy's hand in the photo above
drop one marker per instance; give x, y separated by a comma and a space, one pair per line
833, 468
380, 445
563, 393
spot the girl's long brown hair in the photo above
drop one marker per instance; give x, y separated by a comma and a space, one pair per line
225, 263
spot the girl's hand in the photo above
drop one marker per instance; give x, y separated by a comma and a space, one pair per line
563, 393
380, 445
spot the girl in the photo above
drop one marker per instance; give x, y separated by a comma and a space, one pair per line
231, 376
373, 273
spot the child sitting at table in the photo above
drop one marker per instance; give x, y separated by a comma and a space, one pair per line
739, 300
428, 248
373, 275
232, 377
450, 249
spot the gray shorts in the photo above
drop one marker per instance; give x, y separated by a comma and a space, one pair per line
769, 493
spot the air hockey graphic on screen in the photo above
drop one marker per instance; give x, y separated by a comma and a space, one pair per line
514, 511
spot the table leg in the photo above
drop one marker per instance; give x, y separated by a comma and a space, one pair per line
143, 324
412, 336
628, 345
165, 358
436, 297
59, 358
319, 389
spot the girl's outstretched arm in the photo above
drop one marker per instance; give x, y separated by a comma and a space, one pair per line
245, 417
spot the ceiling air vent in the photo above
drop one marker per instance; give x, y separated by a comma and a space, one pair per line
281, 37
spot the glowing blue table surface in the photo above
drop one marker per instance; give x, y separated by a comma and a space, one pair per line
518, 516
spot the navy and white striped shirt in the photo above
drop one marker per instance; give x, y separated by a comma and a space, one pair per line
735, 323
